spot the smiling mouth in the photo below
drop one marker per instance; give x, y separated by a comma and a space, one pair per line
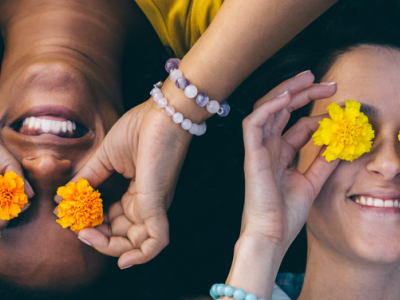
376, 202
50, 124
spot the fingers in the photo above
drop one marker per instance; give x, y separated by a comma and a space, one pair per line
253, 125
113, 246
292, 85
115, 210
300, 99
302, 131
9, 163
319, 171
4, 223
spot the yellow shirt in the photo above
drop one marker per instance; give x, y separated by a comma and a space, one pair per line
179, 23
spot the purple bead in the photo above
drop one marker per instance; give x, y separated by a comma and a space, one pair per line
181, 83
202, 100
172, 63
224, 109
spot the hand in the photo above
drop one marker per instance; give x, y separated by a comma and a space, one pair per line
278, 197
147, 147
9, 163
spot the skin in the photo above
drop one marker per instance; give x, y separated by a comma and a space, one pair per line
139, 226
353, 252
50, 61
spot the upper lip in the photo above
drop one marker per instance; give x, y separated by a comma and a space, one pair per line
50, 110
384, 194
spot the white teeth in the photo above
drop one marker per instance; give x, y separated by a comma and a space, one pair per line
31, 123
49, 125
64, 127
377, 202
388, 203
69, 125
56, 126
38, 123
46, 125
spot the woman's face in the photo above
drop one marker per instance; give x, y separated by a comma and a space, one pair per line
53, 115
370, 75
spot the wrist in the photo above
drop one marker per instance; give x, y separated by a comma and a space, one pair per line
184, 105
255, 265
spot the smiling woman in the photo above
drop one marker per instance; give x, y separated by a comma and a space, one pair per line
351, 209
57, 104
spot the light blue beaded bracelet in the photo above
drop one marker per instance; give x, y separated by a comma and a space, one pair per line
190, 91
219, 289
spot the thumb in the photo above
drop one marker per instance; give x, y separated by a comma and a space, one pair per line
319, 171
96, 170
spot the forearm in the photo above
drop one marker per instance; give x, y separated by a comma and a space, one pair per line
242, 36
254, 267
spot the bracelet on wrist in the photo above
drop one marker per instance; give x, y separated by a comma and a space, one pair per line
191, 91
219, 290
177, 117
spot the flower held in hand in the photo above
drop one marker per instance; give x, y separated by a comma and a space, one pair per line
347, 134
81, 207
12, 195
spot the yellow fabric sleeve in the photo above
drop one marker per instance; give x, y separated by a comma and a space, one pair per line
179, 23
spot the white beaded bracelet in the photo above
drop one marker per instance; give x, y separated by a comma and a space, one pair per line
177, 117
191, 91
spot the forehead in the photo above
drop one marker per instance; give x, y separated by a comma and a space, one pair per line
367, 74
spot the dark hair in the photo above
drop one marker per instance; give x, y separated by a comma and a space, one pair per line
206, 212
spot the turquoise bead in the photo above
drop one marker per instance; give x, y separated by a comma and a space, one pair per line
220, 289
228, 291
250, 296
239, 294
213, 291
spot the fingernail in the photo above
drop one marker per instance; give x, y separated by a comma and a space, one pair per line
304, 72
85, 241
55, 211
25, 206
126, 267
281, 95
28, 187
327, 83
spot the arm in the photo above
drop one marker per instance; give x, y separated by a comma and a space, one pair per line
147, 146
278, 197
242, 36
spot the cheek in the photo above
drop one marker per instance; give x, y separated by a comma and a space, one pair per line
336, 222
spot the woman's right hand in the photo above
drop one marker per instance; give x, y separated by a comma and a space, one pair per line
278, 197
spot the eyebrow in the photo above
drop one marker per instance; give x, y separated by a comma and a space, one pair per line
366, 109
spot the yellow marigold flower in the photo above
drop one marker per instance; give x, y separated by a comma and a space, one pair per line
81, 206
12, 195
347, 134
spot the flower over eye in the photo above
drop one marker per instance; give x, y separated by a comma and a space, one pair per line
347, 134
81, 206
12, 195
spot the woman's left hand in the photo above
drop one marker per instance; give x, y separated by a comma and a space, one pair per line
147, 147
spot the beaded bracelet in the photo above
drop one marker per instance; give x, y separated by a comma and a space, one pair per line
177, 117
219, 289
191, 91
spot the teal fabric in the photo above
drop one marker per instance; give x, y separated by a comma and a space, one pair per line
288, 286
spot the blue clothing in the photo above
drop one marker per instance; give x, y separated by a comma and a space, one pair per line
288, 286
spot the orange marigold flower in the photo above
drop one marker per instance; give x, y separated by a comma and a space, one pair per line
12, 195
81, 207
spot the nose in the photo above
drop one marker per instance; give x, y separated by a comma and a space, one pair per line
385, 161
46, 172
